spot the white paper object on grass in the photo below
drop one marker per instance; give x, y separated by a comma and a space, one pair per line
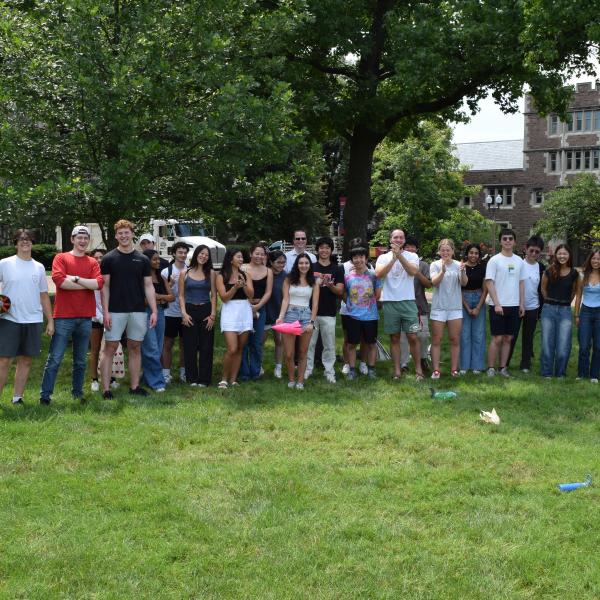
489, 417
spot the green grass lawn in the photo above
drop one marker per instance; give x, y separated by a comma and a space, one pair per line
362, 490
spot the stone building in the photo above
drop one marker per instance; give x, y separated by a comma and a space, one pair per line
521, 172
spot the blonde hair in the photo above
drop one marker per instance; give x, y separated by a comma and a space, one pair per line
124, 224
446, 242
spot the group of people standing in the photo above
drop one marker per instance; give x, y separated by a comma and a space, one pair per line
135, 299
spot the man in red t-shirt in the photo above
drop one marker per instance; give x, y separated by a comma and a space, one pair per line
76, 276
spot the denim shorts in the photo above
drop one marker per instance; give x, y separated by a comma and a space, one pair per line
298, 313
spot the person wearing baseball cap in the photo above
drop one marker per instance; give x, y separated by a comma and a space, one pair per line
76, 276
148, 242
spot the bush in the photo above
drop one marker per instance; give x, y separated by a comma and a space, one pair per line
43, 253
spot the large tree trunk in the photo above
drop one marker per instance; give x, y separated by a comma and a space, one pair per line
358, 205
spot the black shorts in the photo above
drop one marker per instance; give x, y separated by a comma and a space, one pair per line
345, 322
506, 324
173, 327
361, 330
20, 339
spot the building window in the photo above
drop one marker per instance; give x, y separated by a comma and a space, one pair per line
596, 160
466, 201
553, 161
553, 125
587, 157
569, 122
569, 160
597, 119
588, 120
537, 197
578, 120
506, 193
578, 160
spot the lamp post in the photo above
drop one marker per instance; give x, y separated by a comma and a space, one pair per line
493, 204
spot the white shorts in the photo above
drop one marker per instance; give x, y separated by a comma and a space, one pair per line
445, 315
236, 315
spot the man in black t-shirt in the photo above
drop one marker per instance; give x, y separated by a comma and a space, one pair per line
127, 288
330, 276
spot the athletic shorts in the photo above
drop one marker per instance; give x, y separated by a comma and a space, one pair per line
20, 339
506, 324
400, 316
134, 324
344, 322
357, 330
173, 327
445, 315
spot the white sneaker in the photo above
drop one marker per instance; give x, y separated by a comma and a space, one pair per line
463, 371
291, 384
330, 377
114, 385
277, 372
363, 369
593, 380
299, 386
307, 373
345, 369
504, 372
491, 372
159, 390
193, 384
201, 385
182, 377
95, 386
262, 372
524, 370
476, 372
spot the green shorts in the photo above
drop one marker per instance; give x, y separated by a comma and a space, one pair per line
400, 316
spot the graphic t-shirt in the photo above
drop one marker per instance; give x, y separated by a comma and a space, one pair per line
174, 309
327, 299
361, 303
506, 272
127, 272
397, 284
71, 304
22, 281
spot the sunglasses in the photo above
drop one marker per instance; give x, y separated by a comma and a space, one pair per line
533, 250
24, 239
507, 238
300, 238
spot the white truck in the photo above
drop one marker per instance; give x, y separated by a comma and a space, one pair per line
167, 232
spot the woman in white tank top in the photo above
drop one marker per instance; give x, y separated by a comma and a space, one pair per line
300, 289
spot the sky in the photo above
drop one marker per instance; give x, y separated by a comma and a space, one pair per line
490, 124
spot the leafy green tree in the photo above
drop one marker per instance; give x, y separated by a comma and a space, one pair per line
120, 108
366, 70
573, 212
417, 184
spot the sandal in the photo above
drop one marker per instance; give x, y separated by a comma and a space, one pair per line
436, 374
419, 377
223, 385
455, 373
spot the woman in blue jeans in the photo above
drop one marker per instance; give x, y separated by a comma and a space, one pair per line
587, 317
152, 343
262, 282
472, 335
559, 284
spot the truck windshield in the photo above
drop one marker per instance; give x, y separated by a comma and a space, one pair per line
190, 229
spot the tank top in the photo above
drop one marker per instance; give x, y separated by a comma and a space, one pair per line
197, 291
591, 295
559, 291
260, 287
239, 295
300, 295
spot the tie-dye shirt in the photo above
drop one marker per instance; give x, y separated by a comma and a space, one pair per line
360, 289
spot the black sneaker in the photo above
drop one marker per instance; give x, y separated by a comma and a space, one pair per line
45, 401
108, 395
138, 391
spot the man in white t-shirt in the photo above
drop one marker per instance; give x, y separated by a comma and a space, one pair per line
504, 278
299, 248
173, 324
397, 268
23, 280
534, 270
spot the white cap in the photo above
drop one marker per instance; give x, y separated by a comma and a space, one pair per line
147, 237
80, 230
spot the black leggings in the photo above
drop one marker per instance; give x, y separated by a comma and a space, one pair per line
198, 345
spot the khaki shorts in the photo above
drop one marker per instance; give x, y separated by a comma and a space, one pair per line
400, 316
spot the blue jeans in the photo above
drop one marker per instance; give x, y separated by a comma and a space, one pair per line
472, 335
557, 326
589, 331
253, 351
152, 346
79, 329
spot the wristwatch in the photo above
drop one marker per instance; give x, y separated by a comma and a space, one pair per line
312, 322
76, 279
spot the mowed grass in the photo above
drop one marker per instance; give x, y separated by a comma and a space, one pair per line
361, 490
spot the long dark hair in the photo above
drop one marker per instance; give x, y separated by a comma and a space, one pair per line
273, 256
554, 268
469, 248
587, 265
294, 276
149, 254
227, 269
207, 266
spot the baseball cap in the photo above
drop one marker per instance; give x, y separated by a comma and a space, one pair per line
147, 237
80, 230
